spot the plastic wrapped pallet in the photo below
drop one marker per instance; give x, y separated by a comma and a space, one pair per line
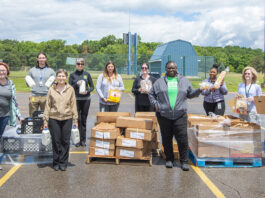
236, 139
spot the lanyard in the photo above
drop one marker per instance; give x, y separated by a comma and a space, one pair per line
247, 92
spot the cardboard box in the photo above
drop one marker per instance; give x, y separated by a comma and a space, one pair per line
140, 134
202, 148
128, 142
102, 132
101, 151
149, 115
245, 149
129, 152
101, 143
140, 123
260, 104
110, 116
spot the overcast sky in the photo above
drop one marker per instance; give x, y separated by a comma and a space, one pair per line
202, 22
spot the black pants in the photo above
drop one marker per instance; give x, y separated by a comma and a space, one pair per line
177, 128
144, 108
218, 108
82, 109
60, 133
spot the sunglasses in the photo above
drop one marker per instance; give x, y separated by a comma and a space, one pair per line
144, 68
82, 64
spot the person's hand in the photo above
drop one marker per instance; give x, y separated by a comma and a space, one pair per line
76, 124
250, 99
222, 82
45, 125
105, 99
140, 90
237, 96
83, 93
79, 82
21, 120
157, 109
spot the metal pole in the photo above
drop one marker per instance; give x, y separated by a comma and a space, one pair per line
184, 66
204, 67
135, 53
129, 53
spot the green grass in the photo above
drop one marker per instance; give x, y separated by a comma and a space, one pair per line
232, 81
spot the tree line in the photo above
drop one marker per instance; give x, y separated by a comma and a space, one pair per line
20, 54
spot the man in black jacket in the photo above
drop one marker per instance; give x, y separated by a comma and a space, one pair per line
169, 96
77, 79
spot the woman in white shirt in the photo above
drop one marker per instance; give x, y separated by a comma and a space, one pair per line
110, 79
248, 89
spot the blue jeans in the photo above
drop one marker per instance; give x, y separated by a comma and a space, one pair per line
3, 123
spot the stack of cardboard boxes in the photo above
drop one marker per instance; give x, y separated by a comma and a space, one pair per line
104, 134
116, 134
136, 141
223, 137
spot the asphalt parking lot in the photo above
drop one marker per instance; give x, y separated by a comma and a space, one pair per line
110, 180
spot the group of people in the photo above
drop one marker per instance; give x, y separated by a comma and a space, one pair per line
66, 105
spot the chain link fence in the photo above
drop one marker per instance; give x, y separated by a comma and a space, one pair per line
95, 63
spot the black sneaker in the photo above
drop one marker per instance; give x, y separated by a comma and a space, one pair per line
77, 145
169, 164
83, 143
62, 168
56, 167
185, 166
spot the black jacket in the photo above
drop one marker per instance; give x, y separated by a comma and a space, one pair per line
81, 75
141, 98
159, 97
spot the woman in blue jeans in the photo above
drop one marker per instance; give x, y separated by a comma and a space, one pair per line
8, 104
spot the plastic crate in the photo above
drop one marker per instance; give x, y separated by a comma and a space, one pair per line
37, 114
25, 144
11, 145
32, 125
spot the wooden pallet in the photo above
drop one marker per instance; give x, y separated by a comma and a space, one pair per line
225, 162
99, 159
135, 162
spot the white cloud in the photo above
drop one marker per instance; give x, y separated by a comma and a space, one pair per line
211, 23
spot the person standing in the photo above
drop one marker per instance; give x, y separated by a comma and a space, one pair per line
169, 96
59, 115
40, 74
8, 104
248, 89
141, 86
82, 96
214, 97
110, 79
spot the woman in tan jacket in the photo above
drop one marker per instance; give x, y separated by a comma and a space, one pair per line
59, 115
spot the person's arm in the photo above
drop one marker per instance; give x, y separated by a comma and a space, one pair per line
72, 83
14, 101
90, 82
121, 85
258, 91
74, 108
47, 109
191, 93
98, 86
153, 99
135, 88
223, 89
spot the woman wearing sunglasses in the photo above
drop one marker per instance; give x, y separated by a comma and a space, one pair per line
141, 86
77, 79
248, 89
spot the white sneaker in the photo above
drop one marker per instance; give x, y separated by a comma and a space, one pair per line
1, 168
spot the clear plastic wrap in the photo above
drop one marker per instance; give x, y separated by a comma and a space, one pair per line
224, 139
